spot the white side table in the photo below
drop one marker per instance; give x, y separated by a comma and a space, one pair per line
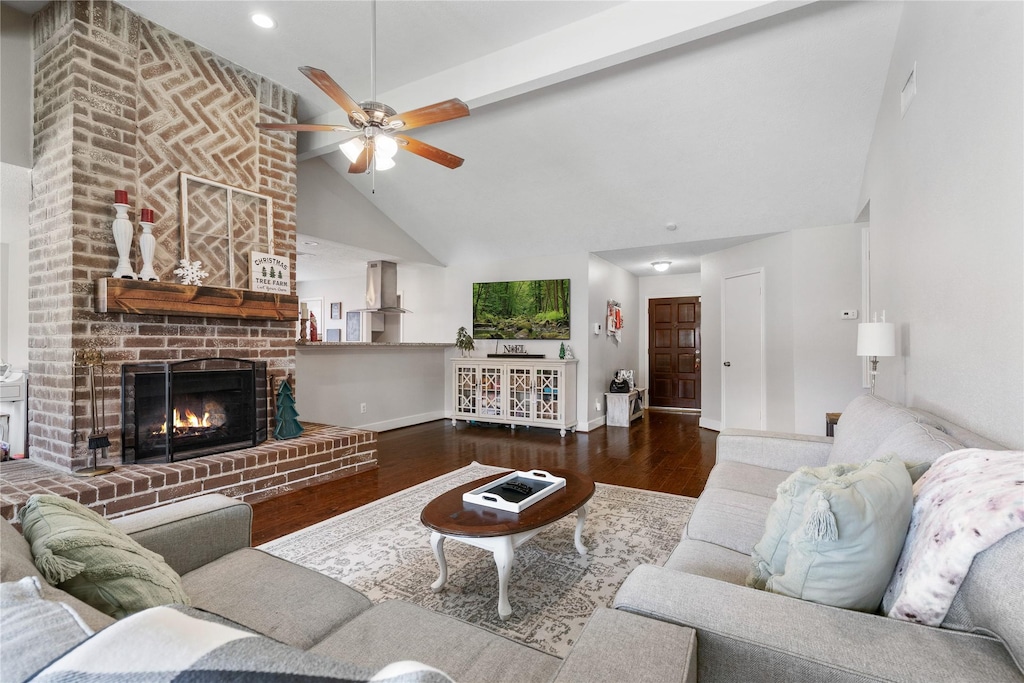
621, 409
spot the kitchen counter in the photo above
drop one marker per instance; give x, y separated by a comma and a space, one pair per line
371, 385
372, 345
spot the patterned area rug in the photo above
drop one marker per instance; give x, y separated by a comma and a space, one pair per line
382, 550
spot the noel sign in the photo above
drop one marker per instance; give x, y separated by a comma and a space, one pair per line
269, 273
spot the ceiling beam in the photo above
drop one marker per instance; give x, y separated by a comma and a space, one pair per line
616, 36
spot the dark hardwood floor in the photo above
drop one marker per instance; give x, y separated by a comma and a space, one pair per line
664, 451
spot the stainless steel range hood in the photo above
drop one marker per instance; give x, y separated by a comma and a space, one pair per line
382, 288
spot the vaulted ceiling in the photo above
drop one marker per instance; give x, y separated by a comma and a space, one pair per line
594, 125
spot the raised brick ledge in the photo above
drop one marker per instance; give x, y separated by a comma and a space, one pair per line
321, 454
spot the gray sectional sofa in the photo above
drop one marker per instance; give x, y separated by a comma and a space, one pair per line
692, 618
207, 541
745, 634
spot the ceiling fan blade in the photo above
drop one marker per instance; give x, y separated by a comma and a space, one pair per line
334, 91
365, 159
434, 113
430, 152
305, 127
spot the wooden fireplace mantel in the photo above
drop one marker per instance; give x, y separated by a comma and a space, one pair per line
139, 297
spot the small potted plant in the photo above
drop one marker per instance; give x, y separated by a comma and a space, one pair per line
464, 341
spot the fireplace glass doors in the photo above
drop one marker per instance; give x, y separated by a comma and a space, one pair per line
174, 411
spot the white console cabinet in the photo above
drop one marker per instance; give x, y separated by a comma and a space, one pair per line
532, 392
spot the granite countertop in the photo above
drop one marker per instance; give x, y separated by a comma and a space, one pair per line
372, 345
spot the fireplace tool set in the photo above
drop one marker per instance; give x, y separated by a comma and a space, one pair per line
91, 359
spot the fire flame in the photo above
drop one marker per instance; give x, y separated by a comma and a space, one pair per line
191, 421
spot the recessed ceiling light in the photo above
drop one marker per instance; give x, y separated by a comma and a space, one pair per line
262, 20
661, 266
310, 243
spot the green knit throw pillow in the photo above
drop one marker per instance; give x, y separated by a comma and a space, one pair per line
82, 553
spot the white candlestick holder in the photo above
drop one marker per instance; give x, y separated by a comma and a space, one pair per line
147, 245
123, 231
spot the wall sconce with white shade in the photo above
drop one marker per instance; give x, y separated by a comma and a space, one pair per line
876, 339
661, 266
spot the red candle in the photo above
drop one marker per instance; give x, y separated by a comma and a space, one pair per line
120, 196
147, 215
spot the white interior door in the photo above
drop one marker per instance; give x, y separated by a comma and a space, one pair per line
743, 369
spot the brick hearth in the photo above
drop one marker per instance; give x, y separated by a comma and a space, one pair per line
322, 453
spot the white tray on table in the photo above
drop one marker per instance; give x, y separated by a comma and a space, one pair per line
491, 494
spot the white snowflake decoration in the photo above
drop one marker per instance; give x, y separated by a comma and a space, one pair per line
191, 272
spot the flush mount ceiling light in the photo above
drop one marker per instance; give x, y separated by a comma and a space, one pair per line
671, 227
262, 20
661, 266
311, 243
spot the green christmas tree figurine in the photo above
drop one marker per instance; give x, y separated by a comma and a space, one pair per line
288, 426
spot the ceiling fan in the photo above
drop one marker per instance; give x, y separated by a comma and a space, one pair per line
377, 127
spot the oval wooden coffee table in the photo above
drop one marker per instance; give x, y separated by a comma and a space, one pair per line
502, 532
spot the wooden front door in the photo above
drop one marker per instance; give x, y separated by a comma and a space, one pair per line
674, 352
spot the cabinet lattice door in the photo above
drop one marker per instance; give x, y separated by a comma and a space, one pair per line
490, 391
520, 392
465, 389
548, 400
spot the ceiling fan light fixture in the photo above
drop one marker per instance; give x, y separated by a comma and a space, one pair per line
352, 149
384, 146
382, 163
661, 266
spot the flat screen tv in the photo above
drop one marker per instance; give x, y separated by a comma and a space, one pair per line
521, 309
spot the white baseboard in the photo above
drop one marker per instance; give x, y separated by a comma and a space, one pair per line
593, 424
714, 425
406, 421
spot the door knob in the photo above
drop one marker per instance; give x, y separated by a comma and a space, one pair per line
727, 364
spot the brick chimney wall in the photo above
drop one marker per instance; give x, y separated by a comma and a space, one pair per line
122, 103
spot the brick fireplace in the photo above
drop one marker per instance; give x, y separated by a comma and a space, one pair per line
122, 103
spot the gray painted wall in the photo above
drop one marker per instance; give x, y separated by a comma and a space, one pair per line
826, 281
328, 206
606, 354
946, 190
15, 193
15, 181
810, 276
15, 87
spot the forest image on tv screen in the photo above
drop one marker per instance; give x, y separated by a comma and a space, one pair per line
521, 309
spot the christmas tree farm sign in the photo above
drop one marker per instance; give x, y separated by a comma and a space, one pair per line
269, 273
